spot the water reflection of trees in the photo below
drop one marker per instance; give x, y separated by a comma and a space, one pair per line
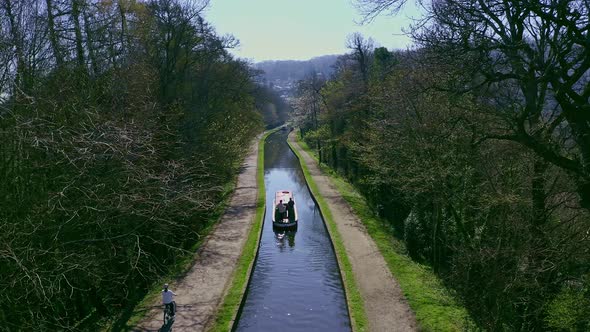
274, 152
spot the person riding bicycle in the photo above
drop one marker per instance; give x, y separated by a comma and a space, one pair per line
168, 299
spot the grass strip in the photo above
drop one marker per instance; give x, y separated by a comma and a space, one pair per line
435, 306
354, 299
231, 302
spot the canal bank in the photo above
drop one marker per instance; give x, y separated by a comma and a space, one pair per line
233, 298
384, 303
212, 276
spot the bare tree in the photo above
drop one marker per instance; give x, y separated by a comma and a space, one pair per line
13, 13
361, 53
537, 49
90, 44
310, 102
76, 4
53, 37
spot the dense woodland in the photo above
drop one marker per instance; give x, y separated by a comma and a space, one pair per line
475, 147
122, 124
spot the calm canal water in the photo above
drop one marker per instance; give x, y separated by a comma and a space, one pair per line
295, 284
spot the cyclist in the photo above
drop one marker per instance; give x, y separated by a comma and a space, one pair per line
168, 299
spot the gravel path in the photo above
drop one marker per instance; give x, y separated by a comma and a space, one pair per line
385, 304
201, 290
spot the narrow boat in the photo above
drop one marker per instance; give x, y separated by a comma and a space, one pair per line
288, 218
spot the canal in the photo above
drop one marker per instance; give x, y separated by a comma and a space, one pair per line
295, 284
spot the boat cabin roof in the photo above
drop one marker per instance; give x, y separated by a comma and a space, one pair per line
283, 195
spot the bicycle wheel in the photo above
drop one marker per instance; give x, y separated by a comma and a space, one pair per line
166, 315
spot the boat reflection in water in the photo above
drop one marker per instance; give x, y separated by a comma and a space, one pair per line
285, 236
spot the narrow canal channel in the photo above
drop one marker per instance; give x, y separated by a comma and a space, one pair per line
295, 284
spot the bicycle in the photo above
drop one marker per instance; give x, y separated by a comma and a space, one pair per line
168, 316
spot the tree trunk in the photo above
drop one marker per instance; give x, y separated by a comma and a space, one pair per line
334, 157
124, 35
316, 126
53, 38
89, 43
435, 244
538, 193
579, 120
78, 33
21, 79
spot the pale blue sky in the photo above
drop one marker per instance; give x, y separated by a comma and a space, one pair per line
301, 29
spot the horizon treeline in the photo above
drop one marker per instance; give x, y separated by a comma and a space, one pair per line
295, 70
122, 127
475, 148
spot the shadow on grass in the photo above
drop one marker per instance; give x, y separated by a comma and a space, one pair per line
132, 310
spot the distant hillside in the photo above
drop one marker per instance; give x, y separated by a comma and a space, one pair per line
293, 70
